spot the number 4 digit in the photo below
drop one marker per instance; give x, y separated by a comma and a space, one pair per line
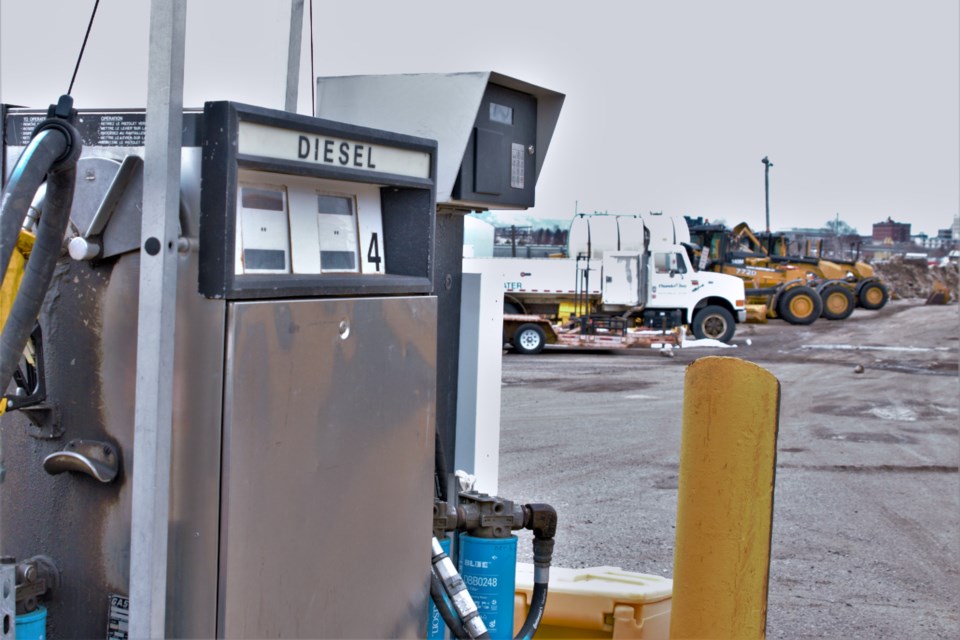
373, 251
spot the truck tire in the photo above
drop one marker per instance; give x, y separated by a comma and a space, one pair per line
873, 296
713, 322
511, 307
529, 339
838, 302
800, 305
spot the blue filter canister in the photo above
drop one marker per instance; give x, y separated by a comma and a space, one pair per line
33, 625
488, 567
436, 630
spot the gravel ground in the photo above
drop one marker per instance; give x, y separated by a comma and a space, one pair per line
866, 539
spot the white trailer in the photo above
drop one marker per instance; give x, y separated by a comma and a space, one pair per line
627, 279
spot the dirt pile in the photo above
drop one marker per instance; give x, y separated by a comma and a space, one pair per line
908, 279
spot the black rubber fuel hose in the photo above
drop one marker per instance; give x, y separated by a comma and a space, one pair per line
27, 176
52, 154
542, 520
440, 470
538, 602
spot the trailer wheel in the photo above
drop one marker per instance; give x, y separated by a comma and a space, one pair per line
529, 339
713, 322
873, 296
800, 305
838, 302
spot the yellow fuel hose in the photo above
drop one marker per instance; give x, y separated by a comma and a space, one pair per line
12, 280
14, 275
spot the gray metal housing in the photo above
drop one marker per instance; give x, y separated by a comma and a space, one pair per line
446, 108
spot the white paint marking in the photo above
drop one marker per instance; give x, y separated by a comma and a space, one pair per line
850, 347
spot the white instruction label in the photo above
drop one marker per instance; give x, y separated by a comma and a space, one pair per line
118, 624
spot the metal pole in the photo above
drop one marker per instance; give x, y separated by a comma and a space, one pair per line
153, 415
836, 235
293, 55
766, 186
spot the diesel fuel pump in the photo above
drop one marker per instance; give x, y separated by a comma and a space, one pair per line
317, 294
307, 367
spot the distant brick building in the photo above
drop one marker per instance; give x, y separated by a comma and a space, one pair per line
891, 231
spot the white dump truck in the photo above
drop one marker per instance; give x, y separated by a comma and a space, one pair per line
627, 281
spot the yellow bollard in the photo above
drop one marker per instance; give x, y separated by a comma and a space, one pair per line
728, 455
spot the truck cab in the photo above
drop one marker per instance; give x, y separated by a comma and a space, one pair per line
630, 267
645, 267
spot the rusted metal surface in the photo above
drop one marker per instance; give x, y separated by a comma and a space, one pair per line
89, 323
64, 516
631, 340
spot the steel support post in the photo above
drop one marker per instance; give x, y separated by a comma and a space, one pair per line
8, 594
293, 56
477, 443
157, 315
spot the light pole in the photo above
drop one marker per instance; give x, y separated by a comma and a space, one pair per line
766, 186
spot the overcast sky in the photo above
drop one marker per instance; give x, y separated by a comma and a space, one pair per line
670, 105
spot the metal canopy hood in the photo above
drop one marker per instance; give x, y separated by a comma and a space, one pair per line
440, 106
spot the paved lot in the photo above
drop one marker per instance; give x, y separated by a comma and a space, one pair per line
866, 540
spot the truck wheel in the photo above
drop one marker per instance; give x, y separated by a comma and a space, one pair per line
713, 322
529, 338
838, 302
800, 305
873, 296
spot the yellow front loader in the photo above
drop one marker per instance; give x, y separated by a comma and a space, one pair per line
783, 290
869, 292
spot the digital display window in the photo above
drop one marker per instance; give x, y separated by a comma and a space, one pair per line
337, 225
501, 113
264, 199
263, 232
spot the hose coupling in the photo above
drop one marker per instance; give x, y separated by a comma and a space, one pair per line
541, 519
61, 118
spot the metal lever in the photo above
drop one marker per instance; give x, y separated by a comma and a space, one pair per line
89, 244
97, 459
